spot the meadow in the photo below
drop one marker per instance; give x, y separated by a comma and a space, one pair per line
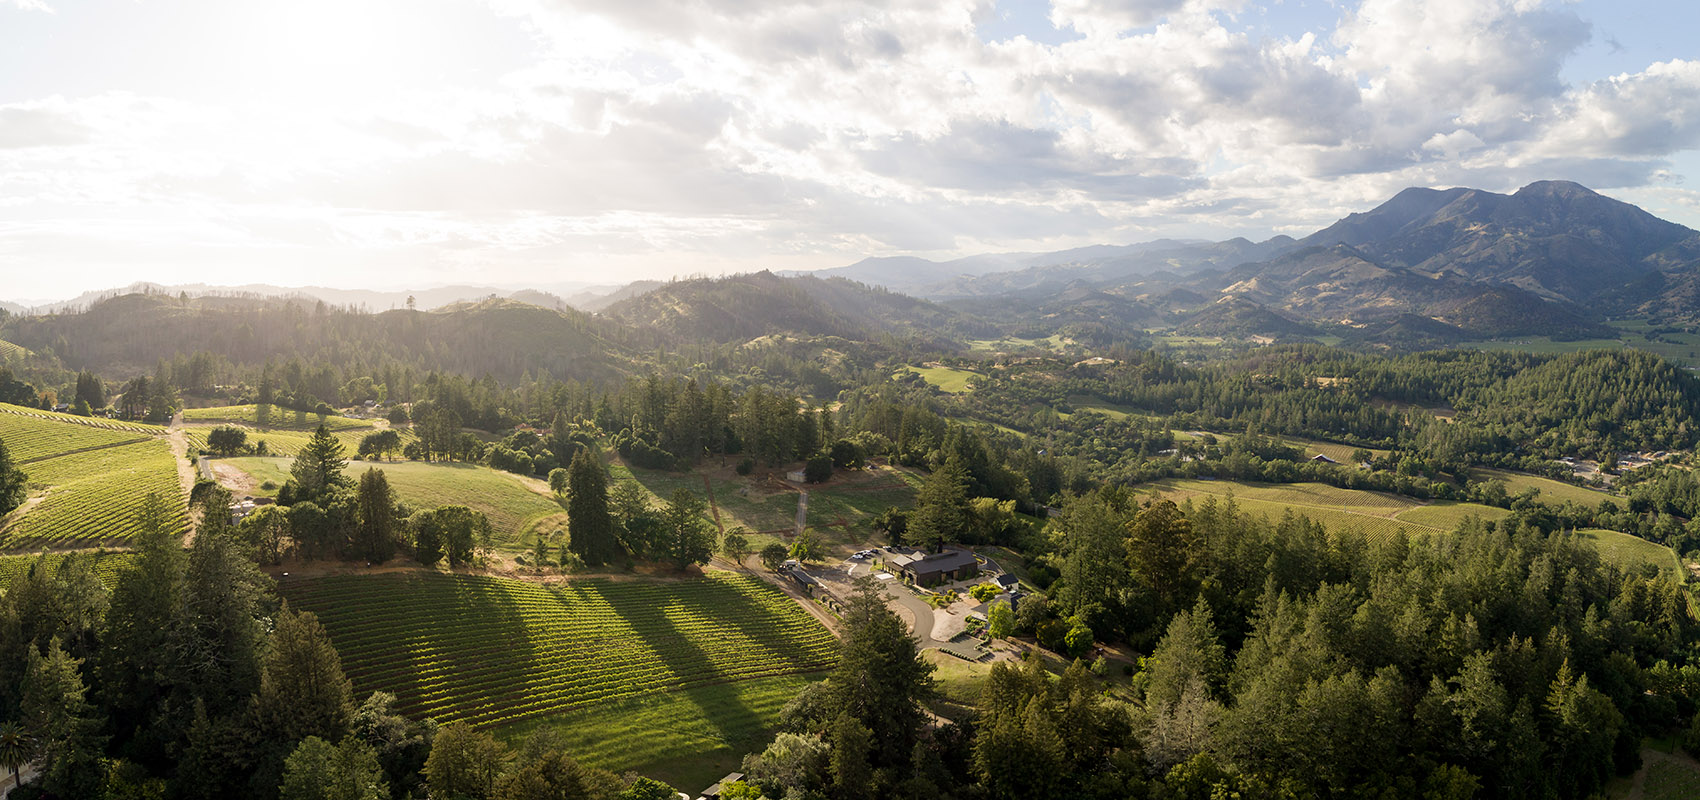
518, 507
1632, 552
1552, 492
290, 442
954, 381
1374, 513
268, 416
662, 660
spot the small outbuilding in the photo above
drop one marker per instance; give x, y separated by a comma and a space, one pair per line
1322, 459
714, 792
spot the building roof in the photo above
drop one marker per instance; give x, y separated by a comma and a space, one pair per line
942, 562
1007, 580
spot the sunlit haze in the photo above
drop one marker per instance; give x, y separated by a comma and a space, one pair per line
407, 143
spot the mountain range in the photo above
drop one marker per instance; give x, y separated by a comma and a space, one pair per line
1426, 268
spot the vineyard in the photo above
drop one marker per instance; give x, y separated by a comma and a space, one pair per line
30, 437
492, 651
263, 417
92, 497
9, 351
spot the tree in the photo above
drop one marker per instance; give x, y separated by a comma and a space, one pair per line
460, 530
688, 539
773, 555
880, 679
894, 523
852, 777
375, 518
15, 748
590, 525
226, 441
640, 529
558, 481
61, 722
1000, 619
735, 545
647, 789
463, 763
806, 547
319, 770
818, 469
133, 664
267, 531
318, 467
1163, 552
941, 508
90, 390
303, 691
383, 444
14, 484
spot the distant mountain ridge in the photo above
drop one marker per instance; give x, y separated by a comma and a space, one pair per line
370, 299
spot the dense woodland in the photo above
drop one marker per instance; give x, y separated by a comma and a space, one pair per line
1280, 659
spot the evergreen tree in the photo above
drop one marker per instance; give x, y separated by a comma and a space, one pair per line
375, 518
14, 483
464, 763
590, 526
62, 723
941, 508
319, 770
135, 658
303, 691
688, 538
880, 679
318, 467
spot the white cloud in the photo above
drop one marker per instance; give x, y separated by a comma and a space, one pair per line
810, 133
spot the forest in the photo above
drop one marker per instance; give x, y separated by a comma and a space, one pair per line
1174, 646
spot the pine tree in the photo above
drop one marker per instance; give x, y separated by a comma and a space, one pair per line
590, 526
14, 482
688, 539
134, 658
61, 723
375, 518
303, 691
880, 679
941, 509
318, 468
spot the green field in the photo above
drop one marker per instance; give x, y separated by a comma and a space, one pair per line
686, 738
9, 351
1631, 552
1552, 492
91, 498
495, 652
93, 422
289, 443
1374, 513
265, 417
518, 507
1012, 343
107, 564
840, 509
954, 381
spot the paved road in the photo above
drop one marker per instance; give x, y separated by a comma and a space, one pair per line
25, 775
898, 596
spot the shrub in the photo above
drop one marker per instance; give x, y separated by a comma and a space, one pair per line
746, 466
985, 592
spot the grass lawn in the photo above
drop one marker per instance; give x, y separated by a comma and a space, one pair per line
1552, 492
518, 507
688, 738
954, 381
1630, 551
678, 676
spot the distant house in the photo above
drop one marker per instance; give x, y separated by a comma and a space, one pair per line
62, 407
932, 569
795, 476
1007, 582
714, 792
1322, 459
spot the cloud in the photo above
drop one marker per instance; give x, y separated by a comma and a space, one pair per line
27, 5
808, 133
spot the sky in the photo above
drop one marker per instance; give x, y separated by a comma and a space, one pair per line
408, 143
